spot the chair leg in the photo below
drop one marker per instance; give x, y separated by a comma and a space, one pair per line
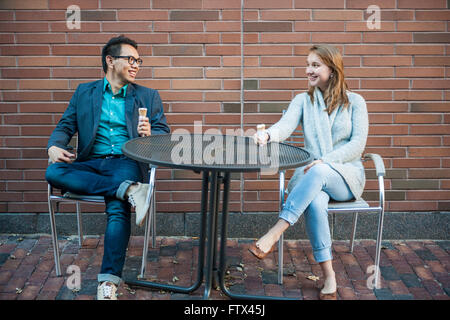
148, 220
280, 241
54, 237
80, 224
378, 249
153, 213
352, 240
280, 260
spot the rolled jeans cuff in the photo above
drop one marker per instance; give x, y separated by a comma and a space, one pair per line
321, 255
121, 191
102, 277
290, 216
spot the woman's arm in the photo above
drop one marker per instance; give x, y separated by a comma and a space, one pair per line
282, 130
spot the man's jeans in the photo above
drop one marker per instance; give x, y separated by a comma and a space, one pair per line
311, 195
110, 178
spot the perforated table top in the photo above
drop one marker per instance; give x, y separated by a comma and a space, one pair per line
207, 152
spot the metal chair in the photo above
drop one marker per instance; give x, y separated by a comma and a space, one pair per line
355, 207
70, 197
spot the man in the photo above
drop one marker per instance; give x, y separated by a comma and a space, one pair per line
105, 115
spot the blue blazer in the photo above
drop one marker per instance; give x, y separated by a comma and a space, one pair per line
84, 110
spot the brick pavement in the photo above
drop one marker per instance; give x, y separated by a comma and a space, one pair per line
410, 270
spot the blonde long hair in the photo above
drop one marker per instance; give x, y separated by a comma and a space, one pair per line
335, 93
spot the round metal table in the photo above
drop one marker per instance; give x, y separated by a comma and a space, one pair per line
216, 156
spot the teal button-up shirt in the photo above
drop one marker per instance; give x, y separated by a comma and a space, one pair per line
112, 130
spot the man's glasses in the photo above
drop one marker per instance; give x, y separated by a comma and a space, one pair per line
131, 60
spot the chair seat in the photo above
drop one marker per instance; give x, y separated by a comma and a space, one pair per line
361, 203
83, 197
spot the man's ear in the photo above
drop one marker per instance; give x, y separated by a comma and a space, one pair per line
109, 61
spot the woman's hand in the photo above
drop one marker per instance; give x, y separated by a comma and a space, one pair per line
261, 139
309, 166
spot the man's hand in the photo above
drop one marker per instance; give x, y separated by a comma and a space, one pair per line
144, 128
57, 154
309, 166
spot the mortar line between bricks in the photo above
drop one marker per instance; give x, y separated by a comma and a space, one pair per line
48, 286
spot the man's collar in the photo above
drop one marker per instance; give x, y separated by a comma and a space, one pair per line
122, 91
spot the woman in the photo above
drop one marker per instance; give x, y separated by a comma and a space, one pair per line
335, 126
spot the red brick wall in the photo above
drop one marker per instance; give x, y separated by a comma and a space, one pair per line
192, 55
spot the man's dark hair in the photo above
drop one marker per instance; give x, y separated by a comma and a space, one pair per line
113, 47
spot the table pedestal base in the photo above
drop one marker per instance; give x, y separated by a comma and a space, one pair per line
213, 276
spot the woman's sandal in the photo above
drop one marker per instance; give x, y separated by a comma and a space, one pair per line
257, 252
327, 296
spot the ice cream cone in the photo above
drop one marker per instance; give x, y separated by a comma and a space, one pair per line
142, 112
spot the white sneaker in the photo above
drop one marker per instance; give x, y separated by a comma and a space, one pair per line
106, 291
137, 196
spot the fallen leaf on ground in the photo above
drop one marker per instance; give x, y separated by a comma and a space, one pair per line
313, 278
131, 291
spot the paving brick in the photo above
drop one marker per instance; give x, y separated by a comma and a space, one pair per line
355, 273
8, 296
269, 277
403, 297
410, 280
5, 276
402, 266
167, 250
389, 273
367, 297
310, 293
383, 294
360, 287
423, 272
45, 265
445, 245
274, 290
37, 278
398, 287
7, 247
420, 294
425, 254
31, 259
433, 287
20, 253
29, 293
436, 267
53, 284
346, 294
13, 284
3, 258
401, 280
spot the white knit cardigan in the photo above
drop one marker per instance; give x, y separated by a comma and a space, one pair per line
337, 139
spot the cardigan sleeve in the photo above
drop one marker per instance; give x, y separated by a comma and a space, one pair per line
282, 130
355, 146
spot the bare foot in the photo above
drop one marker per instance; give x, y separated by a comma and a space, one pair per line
266, 242
329, 285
